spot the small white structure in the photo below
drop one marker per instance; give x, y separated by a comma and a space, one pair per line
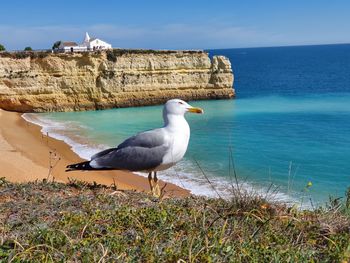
89, 44
95, 43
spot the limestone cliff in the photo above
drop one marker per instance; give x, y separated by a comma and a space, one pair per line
115, 78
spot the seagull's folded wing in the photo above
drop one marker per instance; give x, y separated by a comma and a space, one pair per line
141, 152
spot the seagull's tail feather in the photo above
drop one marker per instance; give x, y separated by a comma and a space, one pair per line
84, 166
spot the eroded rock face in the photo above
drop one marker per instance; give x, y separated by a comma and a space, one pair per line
70, 82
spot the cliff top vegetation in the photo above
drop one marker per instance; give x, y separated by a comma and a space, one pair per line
57, 222
112, 54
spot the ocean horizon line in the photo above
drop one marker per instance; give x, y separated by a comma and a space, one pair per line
279, 46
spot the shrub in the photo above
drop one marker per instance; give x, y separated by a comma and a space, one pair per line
2, 48
112, 54
25, 54
56, 44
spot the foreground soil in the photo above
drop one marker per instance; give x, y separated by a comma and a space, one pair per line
79, 222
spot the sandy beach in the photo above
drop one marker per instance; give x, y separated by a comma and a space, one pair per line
26, 155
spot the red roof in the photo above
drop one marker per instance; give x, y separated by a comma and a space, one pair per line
69, 44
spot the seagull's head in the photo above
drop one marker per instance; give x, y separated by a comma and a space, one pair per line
179, 107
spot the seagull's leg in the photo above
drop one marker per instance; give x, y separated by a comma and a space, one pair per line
150, 181
156, 191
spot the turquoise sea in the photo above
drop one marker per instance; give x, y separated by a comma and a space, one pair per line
288, 126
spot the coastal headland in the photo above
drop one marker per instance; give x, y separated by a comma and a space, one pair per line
45, 81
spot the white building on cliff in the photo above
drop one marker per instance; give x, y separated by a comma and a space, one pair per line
89, 44
95, 43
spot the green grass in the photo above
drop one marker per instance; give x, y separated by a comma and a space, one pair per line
54, 222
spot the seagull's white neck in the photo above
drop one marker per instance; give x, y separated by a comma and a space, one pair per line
177, 132
175, 122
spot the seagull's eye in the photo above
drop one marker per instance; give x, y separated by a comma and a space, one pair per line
180, 102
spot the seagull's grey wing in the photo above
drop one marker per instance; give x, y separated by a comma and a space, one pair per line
102, 153
141, 152
132, 158
147, 139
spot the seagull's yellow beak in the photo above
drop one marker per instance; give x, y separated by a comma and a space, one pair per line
195, 110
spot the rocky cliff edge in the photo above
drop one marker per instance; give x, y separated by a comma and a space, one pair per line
40, 82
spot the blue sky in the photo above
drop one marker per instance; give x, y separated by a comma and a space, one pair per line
176, 24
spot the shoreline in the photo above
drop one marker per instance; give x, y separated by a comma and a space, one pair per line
26, 155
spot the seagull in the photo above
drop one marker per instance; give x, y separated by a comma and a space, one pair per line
149, 151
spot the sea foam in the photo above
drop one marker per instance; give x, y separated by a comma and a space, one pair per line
58, 130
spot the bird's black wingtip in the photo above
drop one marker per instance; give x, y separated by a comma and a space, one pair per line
78, 166
69, 168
